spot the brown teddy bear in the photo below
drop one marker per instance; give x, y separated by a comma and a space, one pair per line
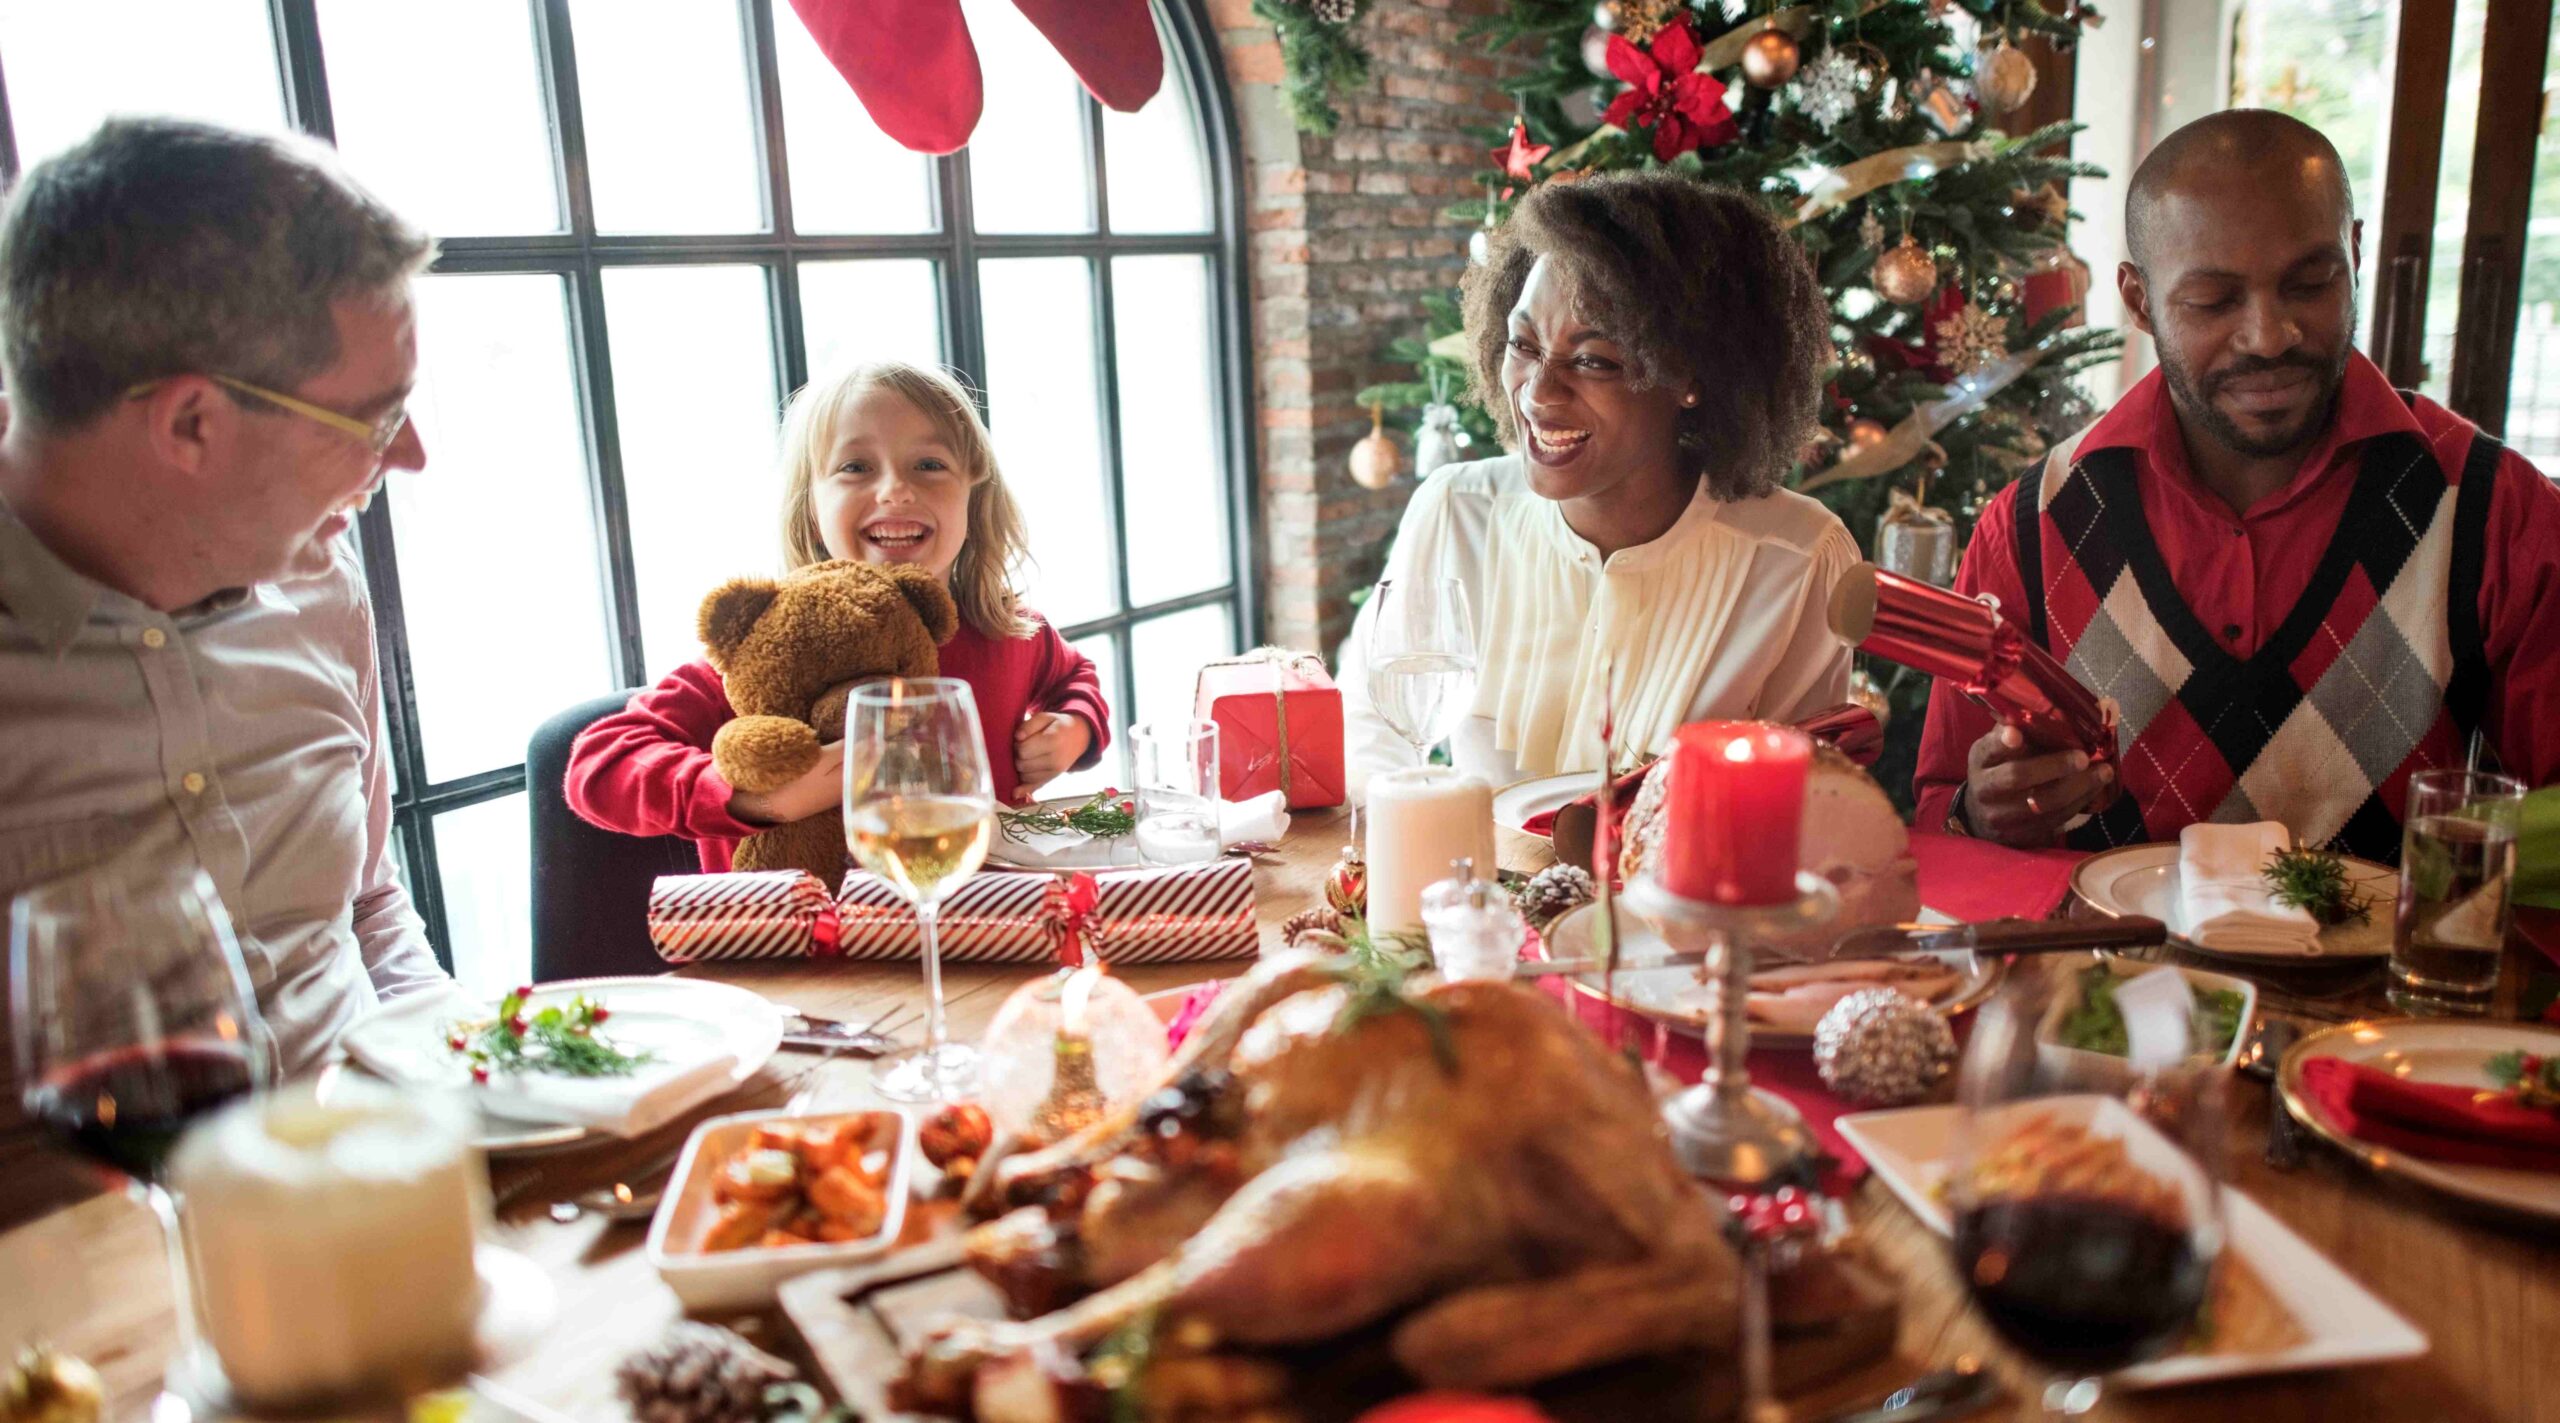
791, 651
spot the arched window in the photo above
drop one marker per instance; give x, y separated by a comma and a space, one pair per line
656, 219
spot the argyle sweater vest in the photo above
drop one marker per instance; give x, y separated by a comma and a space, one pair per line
2377, 673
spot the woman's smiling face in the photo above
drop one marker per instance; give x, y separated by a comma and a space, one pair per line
1584, 425
891, 490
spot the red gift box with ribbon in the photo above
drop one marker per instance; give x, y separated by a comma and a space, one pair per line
1279, 720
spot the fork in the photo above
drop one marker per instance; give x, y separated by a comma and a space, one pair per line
2261, 1060
870, 1033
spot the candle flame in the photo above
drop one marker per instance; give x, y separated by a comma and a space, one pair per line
1071, 998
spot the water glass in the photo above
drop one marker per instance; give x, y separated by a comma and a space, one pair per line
2457, 865
1177, 791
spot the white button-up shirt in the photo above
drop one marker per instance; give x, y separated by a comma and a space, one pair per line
243, 733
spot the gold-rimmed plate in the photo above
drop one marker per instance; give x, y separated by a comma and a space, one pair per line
2143, 880
2443, 1050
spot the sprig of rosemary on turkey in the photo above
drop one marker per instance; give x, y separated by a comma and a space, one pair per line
1373, 971
2316, 880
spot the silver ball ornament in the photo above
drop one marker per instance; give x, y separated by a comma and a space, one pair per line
1882, 1047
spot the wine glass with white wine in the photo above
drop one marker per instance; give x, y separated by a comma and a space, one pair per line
1422, 659
919, 809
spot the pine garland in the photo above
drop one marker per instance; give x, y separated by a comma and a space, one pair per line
1321, 56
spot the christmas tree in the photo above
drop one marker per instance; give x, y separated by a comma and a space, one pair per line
1940, 238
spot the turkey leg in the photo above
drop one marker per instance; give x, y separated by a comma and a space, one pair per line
1512, 1335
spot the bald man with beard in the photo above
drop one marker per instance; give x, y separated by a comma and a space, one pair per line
2298, 585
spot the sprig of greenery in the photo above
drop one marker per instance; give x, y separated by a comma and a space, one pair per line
2530, 1078
2316, 880
1108, 816
1374, 970
560, 1039
1321, 57
1120, 1363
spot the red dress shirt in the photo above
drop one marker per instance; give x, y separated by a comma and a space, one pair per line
646, 770
2243, 573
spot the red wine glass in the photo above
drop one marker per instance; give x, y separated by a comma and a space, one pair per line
2084, 1193
133, 1018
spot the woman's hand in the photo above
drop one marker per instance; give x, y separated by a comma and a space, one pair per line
2023, 799
812, 792
1046, 746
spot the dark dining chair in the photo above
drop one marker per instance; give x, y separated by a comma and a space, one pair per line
590, 886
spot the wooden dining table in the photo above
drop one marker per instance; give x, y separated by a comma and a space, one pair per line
2486, 1291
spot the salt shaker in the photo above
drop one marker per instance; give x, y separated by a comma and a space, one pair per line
1475, 933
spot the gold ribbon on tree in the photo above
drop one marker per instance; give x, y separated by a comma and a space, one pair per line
1845, 185
1904, 442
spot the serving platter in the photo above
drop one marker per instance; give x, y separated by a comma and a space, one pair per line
2448, 1050
2143, 879
1912, 1149
1677, 998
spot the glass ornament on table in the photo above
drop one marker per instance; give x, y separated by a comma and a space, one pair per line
133, 1019
2086, 1223
919, 811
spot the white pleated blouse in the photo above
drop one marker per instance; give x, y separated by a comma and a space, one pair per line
1723, 616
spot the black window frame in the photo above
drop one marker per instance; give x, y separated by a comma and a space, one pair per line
580, 255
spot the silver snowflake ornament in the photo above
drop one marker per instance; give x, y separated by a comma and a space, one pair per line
1829, 88
1970, 338
1871, 231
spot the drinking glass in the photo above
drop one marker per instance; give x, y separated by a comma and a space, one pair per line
919, 809
1177, 791
2086, 1222
1422, 659
132, 1018
2457, 863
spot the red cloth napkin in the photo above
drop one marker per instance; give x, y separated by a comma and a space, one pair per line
1626, 786
2439, 1121
1973, 879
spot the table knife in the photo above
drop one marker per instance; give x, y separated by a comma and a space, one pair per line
1955, 942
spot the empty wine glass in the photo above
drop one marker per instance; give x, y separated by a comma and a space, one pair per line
919, 809
133, 1018
2087, 1222
1422, 658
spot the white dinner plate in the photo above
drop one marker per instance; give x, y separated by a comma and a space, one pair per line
2143, 879
1120, 852
682, 1020
1911, 1151
1675, 996
2445, 1050
1514, 804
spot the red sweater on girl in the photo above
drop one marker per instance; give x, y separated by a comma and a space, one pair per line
646, 770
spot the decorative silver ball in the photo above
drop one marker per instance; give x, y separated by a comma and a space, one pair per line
1882, 1047
1595, 52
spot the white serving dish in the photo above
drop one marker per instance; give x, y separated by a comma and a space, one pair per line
2143, 879
746, 1279
1911, 1150
2104, 1071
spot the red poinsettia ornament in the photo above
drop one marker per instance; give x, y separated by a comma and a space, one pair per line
1519, 158
1666, 93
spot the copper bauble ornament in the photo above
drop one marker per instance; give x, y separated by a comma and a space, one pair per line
1866, 433
1375, 461
1771, 58
1346, 886
2004, 76
1906, 275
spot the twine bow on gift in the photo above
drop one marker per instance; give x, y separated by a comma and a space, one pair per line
1066, 919
1283, 658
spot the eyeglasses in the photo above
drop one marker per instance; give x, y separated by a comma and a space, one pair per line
376, 436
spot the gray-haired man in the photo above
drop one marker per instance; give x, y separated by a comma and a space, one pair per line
207, 345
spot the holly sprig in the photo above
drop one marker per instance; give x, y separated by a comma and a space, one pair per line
2530, 1078
1109, 815
560, 1039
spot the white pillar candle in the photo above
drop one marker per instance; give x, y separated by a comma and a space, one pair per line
1420, 819
333, 1243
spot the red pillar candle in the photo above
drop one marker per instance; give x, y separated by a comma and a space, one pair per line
1736, 803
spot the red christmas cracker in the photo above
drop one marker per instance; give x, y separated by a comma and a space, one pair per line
770, 914
1184, 914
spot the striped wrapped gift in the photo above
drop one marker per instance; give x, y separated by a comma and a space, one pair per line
1185, 914
769, 914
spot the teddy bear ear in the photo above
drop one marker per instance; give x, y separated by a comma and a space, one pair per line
932, 601
730, 613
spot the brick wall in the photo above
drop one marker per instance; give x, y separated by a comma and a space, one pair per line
1345, 235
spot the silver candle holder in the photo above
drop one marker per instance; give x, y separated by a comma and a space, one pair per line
1723, 1129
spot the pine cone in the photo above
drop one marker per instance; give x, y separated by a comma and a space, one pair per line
1320, 919
1555, 892
699, 1373
1335, 12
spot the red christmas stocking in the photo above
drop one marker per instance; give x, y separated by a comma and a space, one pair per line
1111, 45
912, 65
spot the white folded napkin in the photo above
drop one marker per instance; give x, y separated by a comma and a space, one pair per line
1261, 820
620, 1106
2223, 895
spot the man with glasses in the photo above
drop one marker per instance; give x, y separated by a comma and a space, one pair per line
207, 346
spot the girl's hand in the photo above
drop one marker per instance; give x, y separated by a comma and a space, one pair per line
1046, 746
813, 792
